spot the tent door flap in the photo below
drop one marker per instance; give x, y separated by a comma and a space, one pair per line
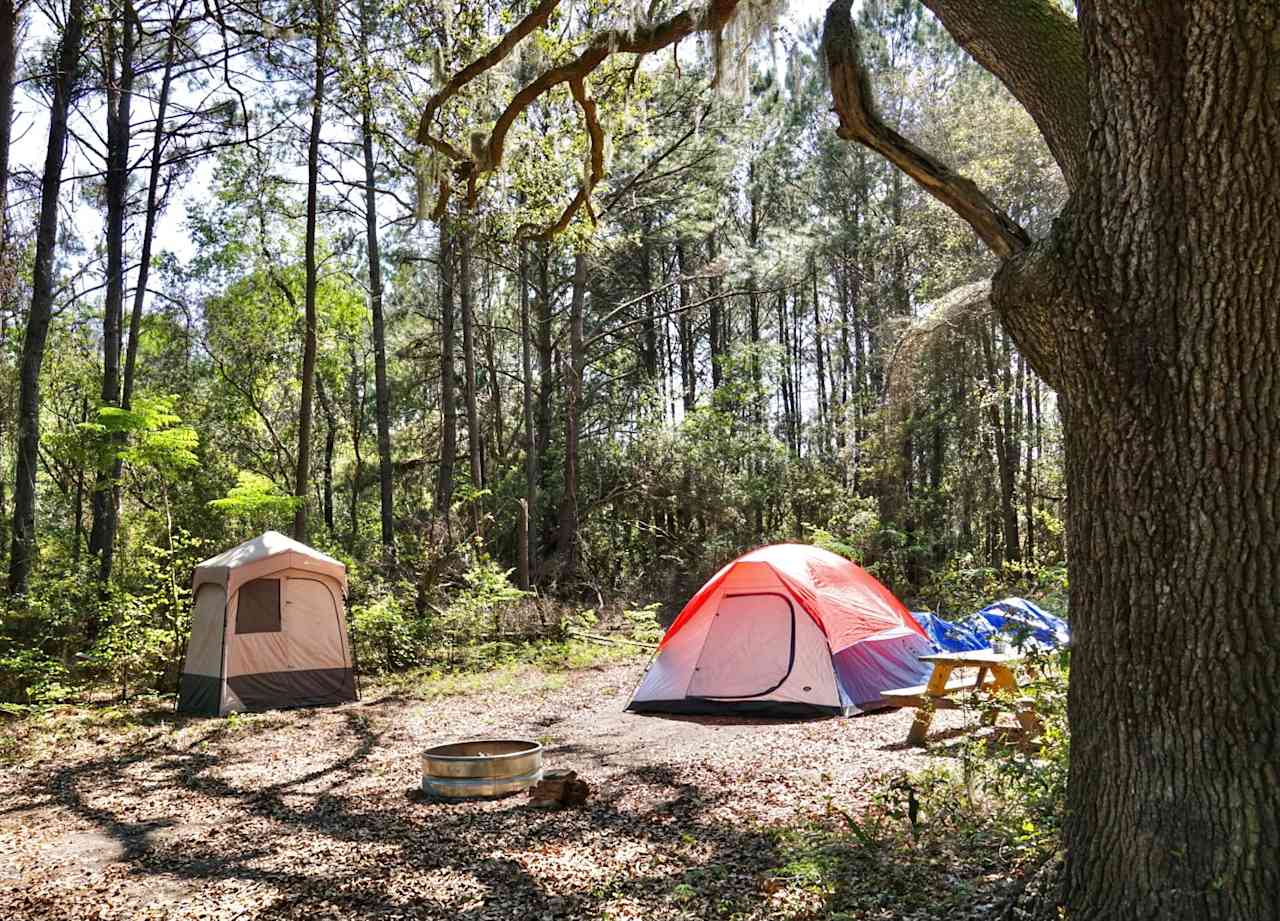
749, 650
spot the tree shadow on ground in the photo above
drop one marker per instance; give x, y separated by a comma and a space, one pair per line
320, 839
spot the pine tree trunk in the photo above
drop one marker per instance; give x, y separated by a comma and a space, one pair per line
540, 522
568, 540
8, 67
529, 549
382, 392
358, 391
688, 347
448, 389
469, 373
302, 479
154, 172
999, 419
22, 552
118, 71
330, 444
715, 325
648, 326
8, 70
499, 449
820, 369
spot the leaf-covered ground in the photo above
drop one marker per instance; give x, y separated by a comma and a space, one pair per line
313, 814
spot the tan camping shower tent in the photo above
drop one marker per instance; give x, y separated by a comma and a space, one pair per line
268, 630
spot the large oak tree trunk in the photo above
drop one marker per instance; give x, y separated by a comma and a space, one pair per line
1152, 309
1171, 370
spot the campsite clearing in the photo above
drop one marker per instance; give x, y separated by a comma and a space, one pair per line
311, 813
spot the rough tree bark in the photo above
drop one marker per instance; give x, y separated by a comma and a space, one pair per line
1151, 309
22, 552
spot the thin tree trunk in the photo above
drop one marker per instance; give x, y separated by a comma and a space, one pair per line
151, 213
382, 397
22, 553
716, 324
330, 443
688, 373
495, 397
303, 478
546, 384
568, 540
784, 380
824, 413
359, 390
469, 373
448, 388
9, 22
529, 549
648, 327
118, 52
1005, 465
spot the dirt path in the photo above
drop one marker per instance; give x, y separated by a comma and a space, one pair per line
310, 813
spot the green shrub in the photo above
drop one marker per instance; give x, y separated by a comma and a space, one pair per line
477, 608
385, 635
643, 623
31, 676
1028, 787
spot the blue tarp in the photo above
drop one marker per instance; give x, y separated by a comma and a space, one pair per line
1025, 625
950, 637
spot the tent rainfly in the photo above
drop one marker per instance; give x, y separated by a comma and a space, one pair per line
786, 630
268, 630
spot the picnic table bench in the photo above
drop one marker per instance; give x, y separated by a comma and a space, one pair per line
995, 674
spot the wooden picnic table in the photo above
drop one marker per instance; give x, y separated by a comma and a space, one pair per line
995, 674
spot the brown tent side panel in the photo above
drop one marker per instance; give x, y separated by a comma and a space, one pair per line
200, 685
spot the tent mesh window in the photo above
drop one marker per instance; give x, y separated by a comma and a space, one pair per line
259, 607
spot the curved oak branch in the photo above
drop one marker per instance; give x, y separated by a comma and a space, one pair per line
1036, 50
536, 19
859, 121
713, 16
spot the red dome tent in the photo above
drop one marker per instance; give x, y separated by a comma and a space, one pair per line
785, 630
